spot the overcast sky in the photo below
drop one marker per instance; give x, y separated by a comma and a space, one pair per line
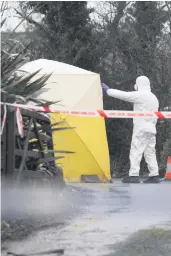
12, 21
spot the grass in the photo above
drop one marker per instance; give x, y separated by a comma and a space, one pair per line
148, 242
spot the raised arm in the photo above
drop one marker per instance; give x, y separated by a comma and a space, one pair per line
133, 97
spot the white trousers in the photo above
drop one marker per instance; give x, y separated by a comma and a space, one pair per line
143, 143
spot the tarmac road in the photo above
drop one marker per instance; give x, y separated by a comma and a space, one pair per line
105, 215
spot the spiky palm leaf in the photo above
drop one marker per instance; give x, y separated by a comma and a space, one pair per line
21, 86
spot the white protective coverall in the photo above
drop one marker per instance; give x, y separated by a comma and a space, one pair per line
144, 131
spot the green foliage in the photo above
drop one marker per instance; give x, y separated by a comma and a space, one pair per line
134, 44
22, 87
70, 35
125, 40
166, 149
19, 86
13, 56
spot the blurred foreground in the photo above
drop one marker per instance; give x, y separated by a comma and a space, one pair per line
93, 219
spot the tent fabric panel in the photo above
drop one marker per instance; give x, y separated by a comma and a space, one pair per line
89, 142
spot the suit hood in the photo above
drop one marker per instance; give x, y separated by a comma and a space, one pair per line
142, 84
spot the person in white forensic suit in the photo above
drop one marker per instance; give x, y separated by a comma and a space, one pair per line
144, 129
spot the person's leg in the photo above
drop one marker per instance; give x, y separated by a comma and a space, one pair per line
150, 158
138, 146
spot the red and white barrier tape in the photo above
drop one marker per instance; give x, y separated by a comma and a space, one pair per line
4, 118
19, 122
18, 118
96, 113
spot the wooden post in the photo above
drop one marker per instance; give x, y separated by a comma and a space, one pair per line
22, 165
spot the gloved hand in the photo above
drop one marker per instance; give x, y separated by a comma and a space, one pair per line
105, 87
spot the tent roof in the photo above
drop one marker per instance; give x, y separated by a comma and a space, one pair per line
76, 88
49, 66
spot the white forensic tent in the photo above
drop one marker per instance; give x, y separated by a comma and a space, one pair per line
77, 89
